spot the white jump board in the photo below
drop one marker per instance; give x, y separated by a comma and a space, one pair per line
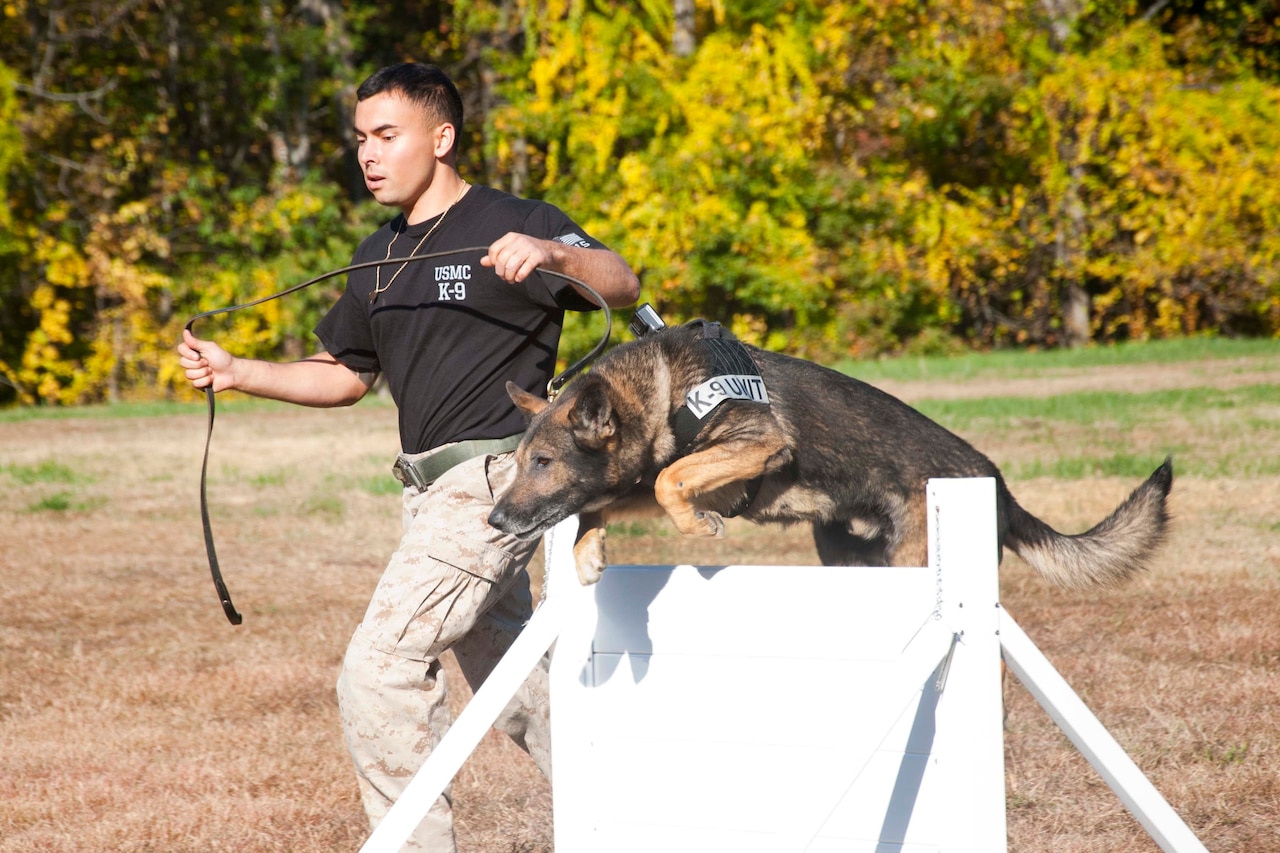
784, 709
726, 709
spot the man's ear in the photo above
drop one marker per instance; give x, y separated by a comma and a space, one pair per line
446, 138
529, 404
592, 419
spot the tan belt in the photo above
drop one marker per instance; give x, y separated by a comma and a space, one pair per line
421, 470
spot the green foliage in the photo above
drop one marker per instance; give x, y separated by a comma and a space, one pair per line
1101, 171
10, 154
831, 179
274, 240
697, 169
122, 226
1179, 189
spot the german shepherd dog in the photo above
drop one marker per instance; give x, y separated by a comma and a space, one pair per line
810, 445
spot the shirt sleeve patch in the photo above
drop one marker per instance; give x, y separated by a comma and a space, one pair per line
574, 239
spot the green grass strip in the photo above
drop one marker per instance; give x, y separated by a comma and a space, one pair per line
1114, 409
1024, 363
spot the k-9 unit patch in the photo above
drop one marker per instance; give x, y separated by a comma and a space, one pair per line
705, 397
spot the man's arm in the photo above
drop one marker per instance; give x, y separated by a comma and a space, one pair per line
320, 380
515, 256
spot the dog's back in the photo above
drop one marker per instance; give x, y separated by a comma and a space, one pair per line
860, 462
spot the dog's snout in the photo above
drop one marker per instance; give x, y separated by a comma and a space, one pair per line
498, 518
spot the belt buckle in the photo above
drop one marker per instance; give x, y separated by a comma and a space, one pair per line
407, 474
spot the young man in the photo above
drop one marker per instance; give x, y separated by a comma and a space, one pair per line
447, 333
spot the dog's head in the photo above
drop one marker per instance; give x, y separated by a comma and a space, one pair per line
568, 460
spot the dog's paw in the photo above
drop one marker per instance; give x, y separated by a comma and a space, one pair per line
589, 556
710, 524
590, 572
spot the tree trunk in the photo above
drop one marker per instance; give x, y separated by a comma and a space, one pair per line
1072, 226
1076, 327
683, 40
1071, 253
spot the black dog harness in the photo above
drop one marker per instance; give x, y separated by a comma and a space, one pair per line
734, 376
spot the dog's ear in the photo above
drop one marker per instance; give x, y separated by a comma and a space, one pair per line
592, 418
528, 403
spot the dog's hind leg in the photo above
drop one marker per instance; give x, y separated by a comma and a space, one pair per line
839, 545
910, 541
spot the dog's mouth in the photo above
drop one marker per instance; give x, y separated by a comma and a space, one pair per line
530, 516
530, 533
523, 529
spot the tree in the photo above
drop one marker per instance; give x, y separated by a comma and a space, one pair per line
828, 178
155, 133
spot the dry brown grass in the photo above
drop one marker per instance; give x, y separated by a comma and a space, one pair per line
134, 718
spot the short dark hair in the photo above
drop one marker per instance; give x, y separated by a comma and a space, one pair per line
423, 84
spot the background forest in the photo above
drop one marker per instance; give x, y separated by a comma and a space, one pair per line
830, 178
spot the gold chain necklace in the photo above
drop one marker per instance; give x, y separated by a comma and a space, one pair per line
378, 286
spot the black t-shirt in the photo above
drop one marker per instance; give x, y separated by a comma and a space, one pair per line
447, 332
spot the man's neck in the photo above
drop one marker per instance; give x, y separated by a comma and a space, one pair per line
444, 192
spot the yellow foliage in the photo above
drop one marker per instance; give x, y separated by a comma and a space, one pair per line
845, 175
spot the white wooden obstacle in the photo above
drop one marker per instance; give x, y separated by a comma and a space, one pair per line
780, 709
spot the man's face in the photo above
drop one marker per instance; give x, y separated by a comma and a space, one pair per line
397, 150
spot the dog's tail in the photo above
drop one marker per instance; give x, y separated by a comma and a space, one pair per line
1112, 552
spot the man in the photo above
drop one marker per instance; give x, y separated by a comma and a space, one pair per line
447, 334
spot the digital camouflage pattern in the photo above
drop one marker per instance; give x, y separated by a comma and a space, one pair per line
453, 583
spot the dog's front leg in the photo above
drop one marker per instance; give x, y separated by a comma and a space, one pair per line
680, 483
588, 548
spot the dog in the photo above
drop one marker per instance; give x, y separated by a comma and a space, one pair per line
710, 428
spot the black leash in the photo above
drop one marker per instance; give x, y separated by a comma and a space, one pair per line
233, 616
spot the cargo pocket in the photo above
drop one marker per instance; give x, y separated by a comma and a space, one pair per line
473, 556
447, 574
458, 580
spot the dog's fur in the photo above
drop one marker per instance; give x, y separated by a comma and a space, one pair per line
831, 451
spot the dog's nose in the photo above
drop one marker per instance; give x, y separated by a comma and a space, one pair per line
497, 518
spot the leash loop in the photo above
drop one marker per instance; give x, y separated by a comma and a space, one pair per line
215, 571
554, 386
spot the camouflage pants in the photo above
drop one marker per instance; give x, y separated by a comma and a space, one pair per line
454, 583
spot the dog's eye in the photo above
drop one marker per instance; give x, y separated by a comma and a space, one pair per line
542, 461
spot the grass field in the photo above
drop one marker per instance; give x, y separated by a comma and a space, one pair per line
134, 718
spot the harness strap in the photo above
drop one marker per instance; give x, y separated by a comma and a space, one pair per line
728, 358
730, 361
